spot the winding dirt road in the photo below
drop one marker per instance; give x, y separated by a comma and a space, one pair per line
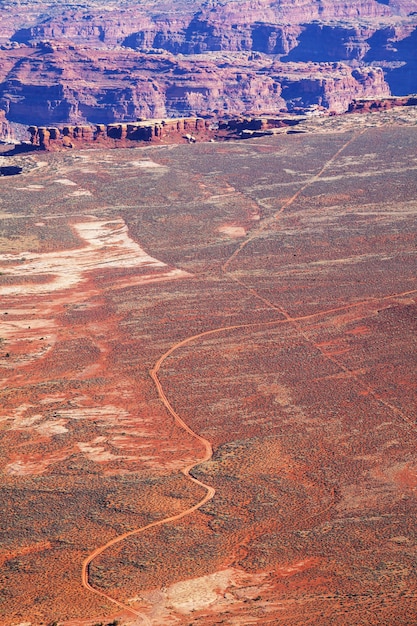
205, 444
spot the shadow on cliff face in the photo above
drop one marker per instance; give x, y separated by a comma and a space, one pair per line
10, 170
7, 150
23, 35
402, 54
324, 44
403, 80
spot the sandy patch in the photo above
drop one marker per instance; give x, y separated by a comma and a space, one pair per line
17, 417
58, 397
295, 568
30, 188
232, 231
145, 164
116, 414
26, 340
35, 465
198, 593
19, 328
214, 592
81, 192
65, 181
95, 453
55, 427
106, 245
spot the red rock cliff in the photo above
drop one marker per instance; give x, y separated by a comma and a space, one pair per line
241, 56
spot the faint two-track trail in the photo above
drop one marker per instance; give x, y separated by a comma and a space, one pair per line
266, 222
295, 321
205, 444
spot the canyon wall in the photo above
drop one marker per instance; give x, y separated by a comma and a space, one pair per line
159, 59
135, 86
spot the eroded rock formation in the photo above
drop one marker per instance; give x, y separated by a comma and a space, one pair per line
171, 130
135, 85
5, 129
367, 105
160, 59
150, 130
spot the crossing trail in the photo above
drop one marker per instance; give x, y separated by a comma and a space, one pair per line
206, 447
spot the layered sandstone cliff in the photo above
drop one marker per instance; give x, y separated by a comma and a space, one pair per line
157, 59
133, 85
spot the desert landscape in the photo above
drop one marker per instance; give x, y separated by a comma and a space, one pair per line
208, 379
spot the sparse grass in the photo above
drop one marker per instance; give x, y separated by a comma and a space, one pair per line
311, 459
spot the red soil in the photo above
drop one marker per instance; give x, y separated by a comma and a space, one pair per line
121, 371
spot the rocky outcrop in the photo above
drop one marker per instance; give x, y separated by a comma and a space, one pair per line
102, 134
172, 130
336, 90
5, 128
368, 105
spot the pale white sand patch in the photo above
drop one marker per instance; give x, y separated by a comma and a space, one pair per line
65, 181
104, 412
99, 454
35, 465
107, 244
53, 398
147, 164
19, 468
213, 592
55, 427
15, 311
27, 422
36, 422
31, 187
81, 192
27, 328
152, 278
232, 231
198, 593
18, 419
